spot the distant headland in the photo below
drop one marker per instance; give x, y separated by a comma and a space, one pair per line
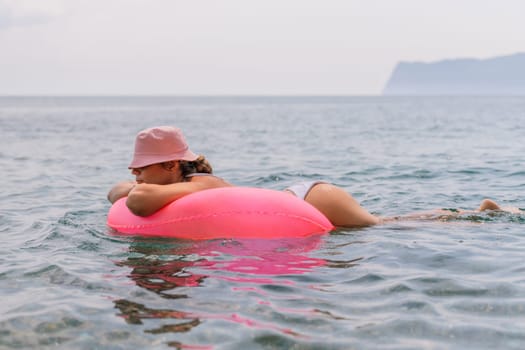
503, 75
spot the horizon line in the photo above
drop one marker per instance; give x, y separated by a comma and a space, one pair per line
247, 95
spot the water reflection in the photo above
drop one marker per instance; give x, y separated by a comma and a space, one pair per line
134, 313
162, 265
161, 276
167, 267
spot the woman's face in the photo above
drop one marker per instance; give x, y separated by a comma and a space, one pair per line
158, 174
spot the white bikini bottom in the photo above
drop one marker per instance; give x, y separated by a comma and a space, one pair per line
301, 189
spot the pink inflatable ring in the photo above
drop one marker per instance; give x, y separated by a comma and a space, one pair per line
230, 212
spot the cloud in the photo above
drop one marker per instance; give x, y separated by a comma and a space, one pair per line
28, 12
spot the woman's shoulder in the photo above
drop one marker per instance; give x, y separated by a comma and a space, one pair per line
205, 177
200, 174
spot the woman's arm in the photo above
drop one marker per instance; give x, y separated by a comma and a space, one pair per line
145, 199
120, 190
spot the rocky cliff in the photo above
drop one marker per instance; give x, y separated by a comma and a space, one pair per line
503, 75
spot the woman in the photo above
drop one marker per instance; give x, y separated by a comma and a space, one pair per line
166, 169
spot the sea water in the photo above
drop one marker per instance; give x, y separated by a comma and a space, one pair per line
67, 281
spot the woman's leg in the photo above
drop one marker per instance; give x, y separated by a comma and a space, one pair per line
339, 206
344, 211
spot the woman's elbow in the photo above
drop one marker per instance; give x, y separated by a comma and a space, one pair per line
114, 196
136, 206
120, 190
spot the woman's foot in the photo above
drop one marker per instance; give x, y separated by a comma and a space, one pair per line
488, 204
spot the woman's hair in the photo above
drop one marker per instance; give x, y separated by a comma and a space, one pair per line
199, 165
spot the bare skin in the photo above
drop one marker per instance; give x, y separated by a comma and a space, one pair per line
488, 204
446, 214
157, 185
339, 207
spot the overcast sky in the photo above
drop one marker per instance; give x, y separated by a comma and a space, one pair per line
242, 47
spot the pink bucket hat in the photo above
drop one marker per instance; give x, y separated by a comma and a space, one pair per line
160, 144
